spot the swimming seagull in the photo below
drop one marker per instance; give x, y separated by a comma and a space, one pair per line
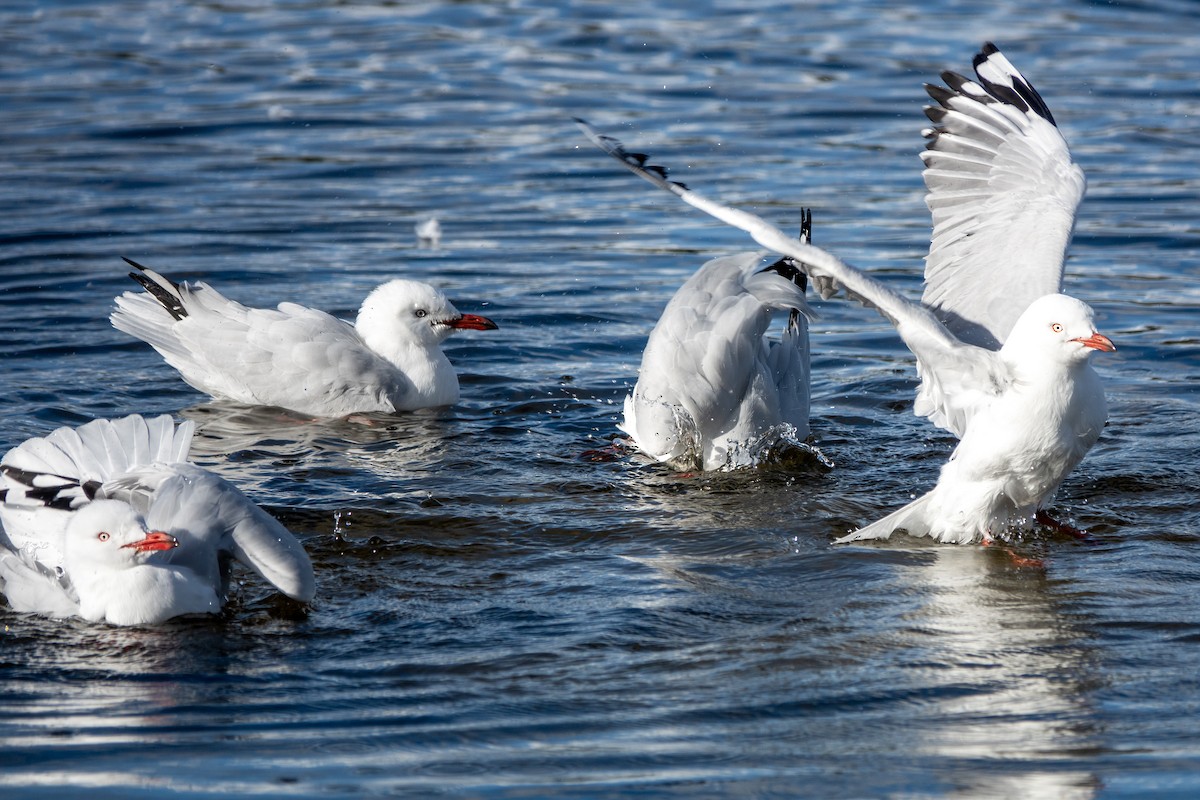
712, 391
1003, 357
429, 232
110, 522
300, 358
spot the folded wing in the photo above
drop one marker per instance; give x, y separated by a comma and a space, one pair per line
289, 356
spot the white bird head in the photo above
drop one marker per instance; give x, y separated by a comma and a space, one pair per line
109, 533
1058, 328
413, 313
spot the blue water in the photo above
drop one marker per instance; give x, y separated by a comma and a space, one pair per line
499, 614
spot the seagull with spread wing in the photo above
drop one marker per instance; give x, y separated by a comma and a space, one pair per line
111, 523
1003, 357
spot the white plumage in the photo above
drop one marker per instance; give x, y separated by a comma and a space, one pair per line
1004, 360
429, 232
300, 358
109, 522
713, 392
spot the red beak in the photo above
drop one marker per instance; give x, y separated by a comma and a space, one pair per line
155, 540
472, 322
1097, 341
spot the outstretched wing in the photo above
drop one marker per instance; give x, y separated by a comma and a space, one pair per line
45, 478
956, 376
1003, 192
76, 461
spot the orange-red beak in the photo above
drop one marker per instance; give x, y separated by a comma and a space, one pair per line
155, 540
1097, 341
472, 322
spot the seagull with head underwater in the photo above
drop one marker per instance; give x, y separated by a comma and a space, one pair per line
1003, 357
300, 358
111, 523
713, 392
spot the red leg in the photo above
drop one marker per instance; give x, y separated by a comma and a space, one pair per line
1050, 522
610, 453
1016, 559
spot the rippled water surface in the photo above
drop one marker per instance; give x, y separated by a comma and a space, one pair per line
500, 613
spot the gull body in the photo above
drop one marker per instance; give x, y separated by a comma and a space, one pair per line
110, 523
300, 358
713, 391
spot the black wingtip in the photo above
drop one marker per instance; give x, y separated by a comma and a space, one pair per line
142, 268
49, 496
168, 301
788, 267
935, 114
636, 162
954, 80
21, 476
1020, 94
942, 95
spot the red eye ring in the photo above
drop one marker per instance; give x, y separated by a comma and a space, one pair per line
102, 536
1056, 327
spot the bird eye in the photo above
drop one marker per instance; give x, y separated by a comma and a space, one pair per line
1056, 327
421, 313
102, 536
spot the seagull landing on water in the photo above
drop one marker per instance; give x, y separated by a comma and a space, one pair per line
1004, 359
713, 392
300, 358
109, 522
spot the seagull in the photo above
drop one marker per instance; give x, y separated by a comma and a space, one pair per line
713, 392
429, 232
111, 523
1003, 356
300, 358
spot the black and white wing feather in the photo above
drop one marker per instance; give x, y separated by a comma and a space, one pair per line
1003, 192
956, 377
142, 462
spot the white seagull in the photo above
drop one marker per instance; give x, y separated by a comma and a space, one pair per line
300, 358
712, 391
109, 522
1002, 356
429, 232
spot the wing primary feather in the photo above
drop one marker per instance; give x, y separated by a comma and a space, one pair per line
28, 477
1020, 92
170, 301
636, 162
